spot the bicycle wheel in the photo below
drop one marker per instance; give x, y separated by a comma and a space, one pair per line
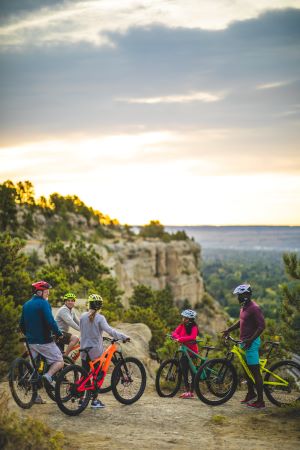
49, 389
168, 378
286, 391
68, 399
128, 380
216, 381
23, 390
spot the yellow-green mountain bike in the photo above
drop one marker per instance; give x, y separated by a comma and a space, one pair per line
281, 380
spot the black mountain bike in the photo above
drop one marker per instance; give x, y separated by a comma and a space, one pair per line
25, 377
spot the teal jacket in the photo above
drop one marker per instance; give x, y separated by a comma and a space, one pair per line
37, 321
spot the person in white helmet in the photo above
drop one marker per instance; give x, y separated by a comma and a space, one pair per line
251, 325
187, 333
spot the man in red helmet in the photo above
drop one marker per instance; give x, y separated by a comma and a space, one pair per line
38, 324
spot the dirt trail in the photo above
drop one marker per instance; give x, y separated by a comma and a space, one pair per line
173, 423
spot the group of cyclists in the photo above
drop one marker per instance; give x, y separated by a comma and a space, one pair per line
39, 326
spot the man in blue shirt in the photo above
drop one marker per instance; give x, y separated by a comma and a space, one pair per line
38, 324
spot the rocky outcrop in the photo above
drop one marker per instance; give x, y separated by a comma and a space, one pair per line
150, 262
157, 264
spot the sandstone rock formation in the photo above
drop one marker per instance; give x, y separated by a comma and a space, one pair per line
157, 264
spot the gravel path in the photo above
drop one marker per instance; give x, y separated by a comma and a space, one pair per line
156, 423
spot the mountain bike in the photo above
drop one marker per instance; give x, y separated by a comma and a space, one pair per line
281, 381
25, 377
75, 386
106, 386
169, 375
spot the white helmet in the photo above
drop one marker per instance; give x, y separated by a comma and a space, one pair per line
243, 289
189, 314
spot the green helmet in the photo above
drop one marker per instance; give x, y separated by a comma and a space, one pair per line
70, 296
95, 301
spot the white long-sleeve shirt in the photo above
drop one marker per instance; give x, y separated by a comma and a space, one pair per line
66, 318
91, 334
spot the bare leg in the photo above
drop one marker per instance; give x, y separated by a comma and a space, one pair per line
55, 367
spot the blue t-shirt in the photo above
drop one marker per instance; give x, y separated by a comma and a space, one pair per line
37, 321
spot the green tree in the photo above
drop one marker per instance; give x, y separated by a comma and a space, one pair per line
291, 302
77, 259
8, 209
153, 230
147, 316
155, 309
25, 193
9, 338
14, 279
14, 287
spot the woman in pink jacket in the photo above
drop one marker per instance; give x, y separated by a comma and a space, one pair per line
186, 333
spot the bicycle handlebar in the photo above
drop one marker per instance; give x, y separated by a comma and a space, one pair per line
192, 341
236, 341
115, 340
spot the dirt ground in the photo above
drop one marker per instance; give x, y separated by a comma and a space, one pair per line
155, 422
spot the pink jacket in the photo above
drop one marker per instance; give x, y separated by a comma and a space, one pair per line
181, 335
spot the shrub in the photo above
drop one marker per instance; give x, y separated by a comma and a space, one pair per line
25, 433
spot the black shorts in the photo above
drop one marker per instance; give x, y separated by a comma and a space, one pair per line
65, 340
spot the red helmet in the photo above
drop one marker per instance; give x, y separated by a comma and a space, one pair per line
41, 286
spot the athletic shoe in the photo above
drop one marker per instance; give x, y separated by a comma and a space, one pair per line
97, 404
248, 398
39, 401
187, 395
182, 395
257, 405
48, 380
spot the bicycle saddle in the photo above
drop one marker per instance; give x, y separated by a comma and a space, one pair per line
86, 349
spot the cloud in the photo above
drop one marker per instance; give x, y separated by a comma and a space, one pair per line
273, 85
205, 97
94, 21
55, 91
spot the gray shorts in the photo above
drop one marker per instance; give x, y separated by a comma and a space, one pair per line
50, 351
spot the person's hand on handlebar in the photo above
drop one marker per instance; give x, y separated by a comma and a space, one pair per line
225, 333
126, 340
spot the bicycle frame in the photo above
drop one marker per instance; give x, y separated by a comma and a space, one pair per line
240, 353
98, 365
187, 352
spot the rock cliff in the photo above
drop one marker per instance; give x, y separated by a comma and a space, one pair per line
157, 264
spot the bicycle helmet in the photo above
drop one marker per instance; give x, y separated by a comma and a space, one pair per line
95, 301
189, 314
70, 296
243, 292
243, 289
41, 286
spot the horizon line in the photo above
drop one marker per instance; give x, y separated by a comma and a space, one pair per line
216, 226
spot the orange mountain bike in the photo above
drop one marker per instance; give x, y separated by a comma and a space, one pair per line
75, 386
106, 385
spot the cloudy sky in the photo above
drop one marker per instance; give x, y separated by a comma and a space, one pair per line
183, 111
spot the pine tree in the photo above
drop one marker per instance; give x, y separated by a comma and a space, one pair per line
14, 279
291, 303
14, 285
9, 338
